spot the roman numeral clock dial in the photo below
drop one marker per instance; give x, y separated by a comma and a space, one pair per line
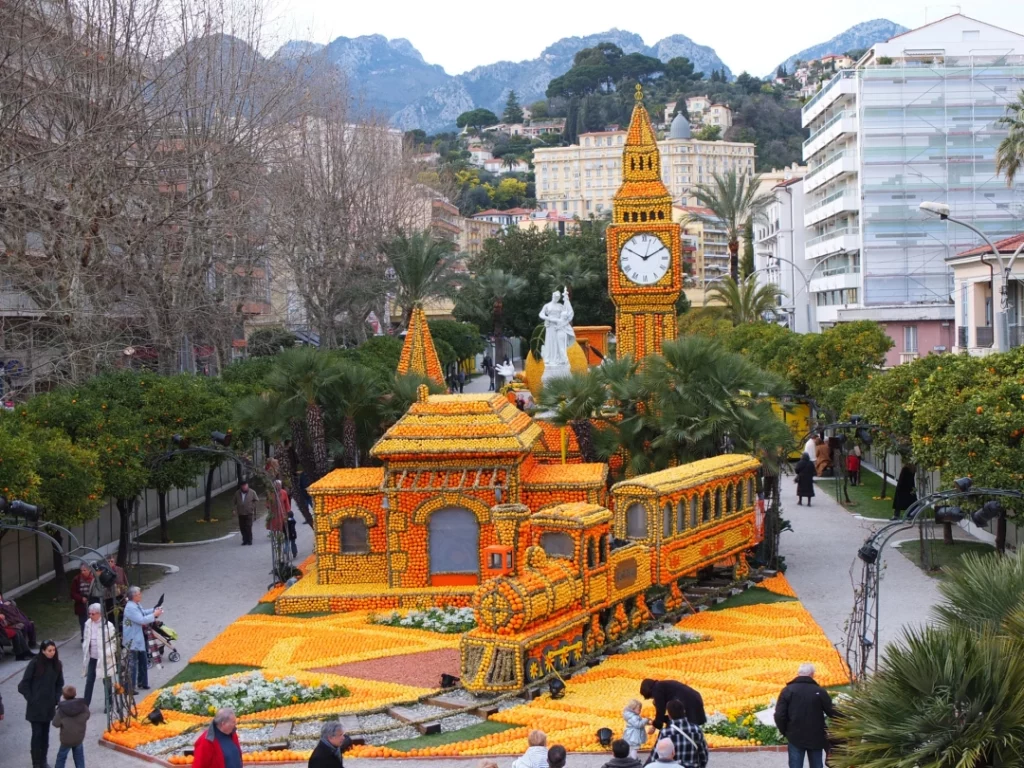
644, 259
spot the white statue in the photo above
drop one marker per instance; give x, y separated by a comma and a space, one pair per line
557, 315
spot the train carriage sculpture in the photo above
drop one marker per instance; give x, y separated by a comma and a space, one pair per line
587, 574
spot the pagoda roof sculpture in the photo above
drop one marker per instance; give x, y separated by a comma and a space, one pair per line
419, 355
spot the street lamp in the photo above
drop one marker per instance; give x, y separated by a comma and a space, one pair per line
1006, 269
807, 284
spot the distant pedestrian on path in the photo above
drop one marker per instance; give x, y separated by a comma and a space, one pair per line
853, 466
134, 639
333, 742
822, 457
810, 447
489, 370
245, 508
293, 534
804, 470
906, 491
302, 497
81, 586
217, 746
800, 717
71, 716
42, 685
99, 655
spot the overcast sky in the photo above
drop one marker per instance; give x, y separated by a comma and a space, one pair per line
751, 35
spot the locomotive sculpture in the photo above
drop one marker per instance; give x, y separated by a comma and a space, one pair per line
587, 574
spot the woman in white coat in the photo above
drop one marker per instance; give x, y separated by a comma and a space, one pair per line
99, 654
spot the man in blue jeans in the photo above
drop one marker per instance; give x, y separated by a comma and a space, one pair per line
800, 717
134, 639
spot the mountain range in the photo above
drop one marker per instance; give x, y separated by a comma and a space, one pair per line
859, 36
394, 78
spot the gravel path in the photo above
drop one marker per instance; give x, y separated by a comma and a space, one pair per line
218, 582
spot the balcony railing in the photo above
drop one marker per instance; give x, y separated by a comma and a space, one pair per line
961, 336
844, 269
1016, 336
983, 336
908, 357
841, 75
829, 123
834, 233
826, 201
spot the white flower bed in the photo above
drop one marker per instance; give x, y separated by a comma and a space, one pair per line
444, 620
660, 637
249, 692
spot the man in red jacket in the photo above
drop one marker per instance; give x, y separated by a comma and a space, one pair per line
81, 586
218, 745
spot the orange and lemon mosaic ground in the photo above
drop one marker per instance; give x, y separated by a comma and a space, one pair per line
750, 653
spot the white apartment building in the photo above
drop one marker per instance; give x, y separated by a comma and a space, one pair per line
779, 252
582, 179
916, 119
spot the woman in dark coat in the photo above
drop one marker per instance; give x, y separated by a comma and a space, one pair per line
804, 480
41, 686
906, 491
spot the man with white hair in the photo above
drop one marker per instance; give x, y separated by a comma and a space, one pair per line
99, 655
800, 717
218, 746
333, 742
664, 752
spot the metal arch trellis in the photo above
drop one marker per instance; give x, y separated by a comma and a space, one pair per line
122, 710
863, 626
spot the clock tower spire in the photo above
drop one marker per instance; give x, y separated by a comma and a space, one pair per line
644, 249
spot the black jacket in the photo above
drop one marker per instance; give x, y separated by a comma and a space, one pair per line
42, 691
805, 476
906, 490
325, 757
667, 690
623, 762
800, 713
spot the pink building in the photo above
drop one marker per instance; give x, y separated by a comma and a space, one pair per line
914, 338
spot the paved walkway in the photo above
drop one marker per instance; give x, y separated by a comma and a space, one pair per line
218, 582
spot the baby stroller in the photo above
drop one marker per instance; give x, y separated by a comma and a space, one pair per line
160, 638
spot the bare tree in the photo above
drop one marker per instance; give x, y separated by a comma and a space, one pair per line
341, 185
134, 140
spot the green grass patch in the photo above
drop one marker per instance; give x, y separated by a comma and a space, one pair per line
942, 555
50, 606
485, 728
752, 596
862, 496
189, 526
267, 609
307, 615
199, 670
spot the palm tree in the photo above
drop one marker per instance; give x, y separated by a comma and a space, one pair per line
942, 698
707, 398
733, 199
1010, 153
575, 400
509, 161
353, 407
743, 302
403, 393
301, 378
982, 591
425, 268
569, 270
491, 290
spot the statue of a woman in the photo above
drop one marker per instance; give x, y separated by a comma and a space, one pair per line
558, 333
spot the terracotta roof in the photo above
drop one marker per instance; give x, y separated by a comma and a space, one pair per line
788, 182
1009, 245
561, 475
573, 515
457, 425
367, 478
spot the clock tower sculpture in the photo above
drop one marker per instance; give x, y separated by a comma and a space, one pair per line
645, 274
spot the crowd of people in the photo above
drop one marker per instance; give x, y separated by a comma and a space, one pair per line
49, 702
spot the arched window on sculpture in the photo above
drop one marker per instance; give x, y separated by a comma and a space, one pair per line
681, 515
694, 521
728, 499
707, 507
666, 521
636, 521
355, 538
454, 542
718, 503
557, 544
591, 553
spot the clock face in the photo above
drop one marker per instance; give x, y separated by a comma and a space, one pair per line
644, 259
